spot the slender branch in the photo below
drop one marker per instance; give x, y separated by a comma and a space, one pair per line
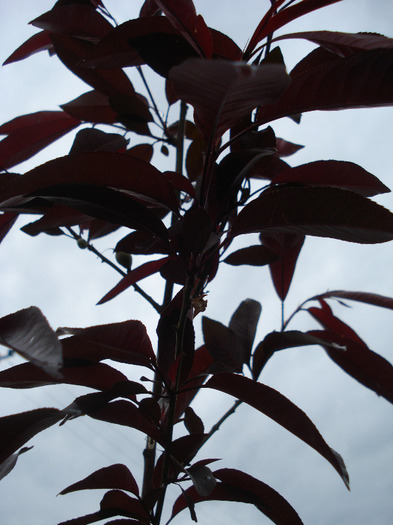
107, 261
217, 426
147, 87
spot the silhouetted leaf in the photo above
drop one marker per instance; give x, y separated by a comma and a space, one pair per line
81, 21
113, 477
342, 44
286, 148
28, 333
18, 429
92, 106
7, 220
362, 297
225, 347
192, 422
280, 409
36, 43
7, 465
145, 270
29, 134
323, 81
252, 255
224, 92
287, 247
323, 212
244, 323
235, 485
339, 174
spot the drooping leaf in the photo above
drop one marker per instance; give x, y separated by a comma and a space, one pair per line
324, 81
183, 16
339, 174
287, 247
274, 19
280, 409
36, 43
18, 429
29, 134
362, 297
145, 270
7, 465
28, 333
323, 212
235, 485
82, 21
342, 44
224, 92
115, 476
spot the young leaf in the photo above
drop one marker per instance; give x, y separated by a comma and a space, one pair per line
224, 92
18, 429
145, 270
323, 212
234, 485
113, 477
29, 134
244, 323
323, 81
280, 409
28, 333
339, 174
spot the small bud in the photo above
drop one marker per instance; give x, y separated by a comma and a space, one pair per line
124, 259
82, 243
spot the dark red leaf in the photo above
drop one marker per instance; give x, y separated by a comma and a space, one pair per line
142, 151
145, 270
92, 106
339, 174
361, 363
280, 409
113, 477
224, 346
7, 465
183, 16
126, 342
73, 53
126, 413
7, 220
193, 422
18, 429
223, 92
105, 168
285, 148
29, 134
28, 333
323, 212
238, 486
362, 297
252, 255
323, 81
35, 44
274, 20
343, 44
142, 243
287, 247
91, 139
98, 376
244, 323
202, 478
77, 20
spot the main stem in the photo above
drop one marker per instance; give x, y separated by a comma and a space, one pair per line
149, 452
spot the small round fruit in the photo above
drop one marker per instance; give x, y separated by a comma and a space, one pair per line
124, 259
82, 243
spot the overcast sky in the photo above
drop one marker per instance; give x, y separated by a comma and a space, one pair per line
65, 283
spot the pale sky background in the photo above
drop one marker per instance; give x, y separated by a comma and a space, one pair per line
66, 283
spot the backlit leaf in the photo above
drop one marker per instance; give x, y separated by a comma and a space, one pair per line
36, 43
